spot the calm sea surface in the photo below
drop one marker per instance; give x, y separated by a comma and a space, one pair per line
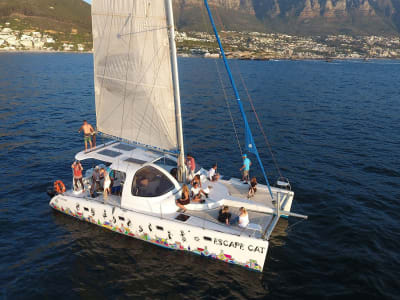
333, 129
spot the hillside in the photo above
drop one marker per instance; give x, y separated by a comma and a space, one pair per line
64, 16
304, 17
70, 19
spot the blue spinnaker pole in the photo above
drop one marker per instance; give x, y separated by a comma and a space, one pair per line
250, 145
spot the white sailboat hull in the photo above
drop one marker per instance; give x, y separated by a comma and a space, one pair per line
167, 231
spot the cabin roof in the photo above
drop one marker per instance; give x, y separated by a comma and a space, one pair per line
121, 154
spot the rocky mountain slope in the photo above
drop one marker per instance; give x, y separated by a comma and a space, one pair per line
380, 17
301, 17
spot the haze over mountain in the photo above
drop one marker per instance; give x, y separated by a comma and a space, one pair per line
303, 17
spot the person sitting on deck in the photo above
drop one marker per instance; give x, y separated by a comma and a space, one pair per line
196, 192
243, 219
253, 187
212, 173
77, 167
196, 178
224, 215
185, 198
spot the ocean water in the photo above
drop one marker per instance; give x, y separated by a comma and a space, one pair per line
333, 131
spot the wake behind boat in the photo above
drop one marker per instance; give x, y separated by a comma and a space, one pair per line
138, 105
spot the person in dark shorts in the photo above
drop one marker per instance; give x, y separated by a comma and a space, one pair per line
95, 181
253, 187
185, 199
224, 215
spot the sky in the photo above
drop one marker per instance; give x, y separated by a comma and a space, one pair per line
88, 1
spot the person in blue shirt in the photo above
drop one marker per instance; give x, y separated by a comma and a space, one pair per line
245, 168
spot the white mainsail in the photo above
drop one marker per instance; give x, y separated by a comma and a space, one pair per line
132, 63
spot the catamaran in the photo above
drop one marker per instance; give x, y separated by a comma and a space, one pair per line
138, 106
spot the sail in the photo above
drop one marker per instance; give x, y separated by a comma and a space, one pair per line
132, 65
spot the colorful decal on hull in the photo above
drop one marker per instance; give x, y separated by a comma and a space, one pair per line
251, 264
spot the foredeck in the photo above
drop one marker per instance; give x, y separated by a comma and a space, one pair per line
209, 219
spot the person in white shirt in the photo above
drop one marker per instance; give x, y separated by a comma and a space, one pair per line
196, 192
212, 173
243, 219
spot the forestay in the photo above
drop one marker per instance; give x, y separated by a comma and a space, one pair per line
133, 81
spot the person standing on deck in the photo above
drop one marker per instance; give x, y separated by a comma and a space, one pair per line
87, 132
245, 168
191, 164
95, 181
106, 184
77, 168
94, 138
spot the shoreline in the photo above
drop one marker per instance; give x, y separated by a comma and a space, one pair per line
252, 58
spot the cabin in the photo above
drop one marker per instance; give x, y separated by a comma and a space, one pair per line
142, 176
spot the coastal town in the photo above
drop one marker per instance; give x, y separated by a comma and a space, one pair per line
239, 45
35, 40
262, 46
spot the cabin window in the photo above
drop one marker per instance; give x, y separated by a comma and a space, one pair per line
150, 182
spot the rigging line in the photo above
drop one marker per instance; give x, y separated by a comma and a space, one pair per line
229, 108
151, 93
126, 77
252, 106
143, 31
109, 115
291, 226
223, 89
260, 125
104, 70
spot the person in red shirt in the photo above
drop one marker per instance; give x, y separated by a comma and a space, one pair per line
191, 164
77, 168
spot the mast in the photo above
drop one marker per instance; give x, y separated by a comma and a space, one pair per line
247, 127
177, 97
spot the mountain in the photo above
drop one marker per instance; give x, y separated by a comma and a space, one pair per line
56, 15
307, 17
301, 17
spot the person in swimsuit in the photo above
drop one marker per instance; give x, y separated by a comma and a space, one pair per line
196, 178
77, 168
87, 132
185, 199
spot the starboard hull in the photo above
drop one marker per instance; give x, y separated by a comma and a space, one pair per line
244, 251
